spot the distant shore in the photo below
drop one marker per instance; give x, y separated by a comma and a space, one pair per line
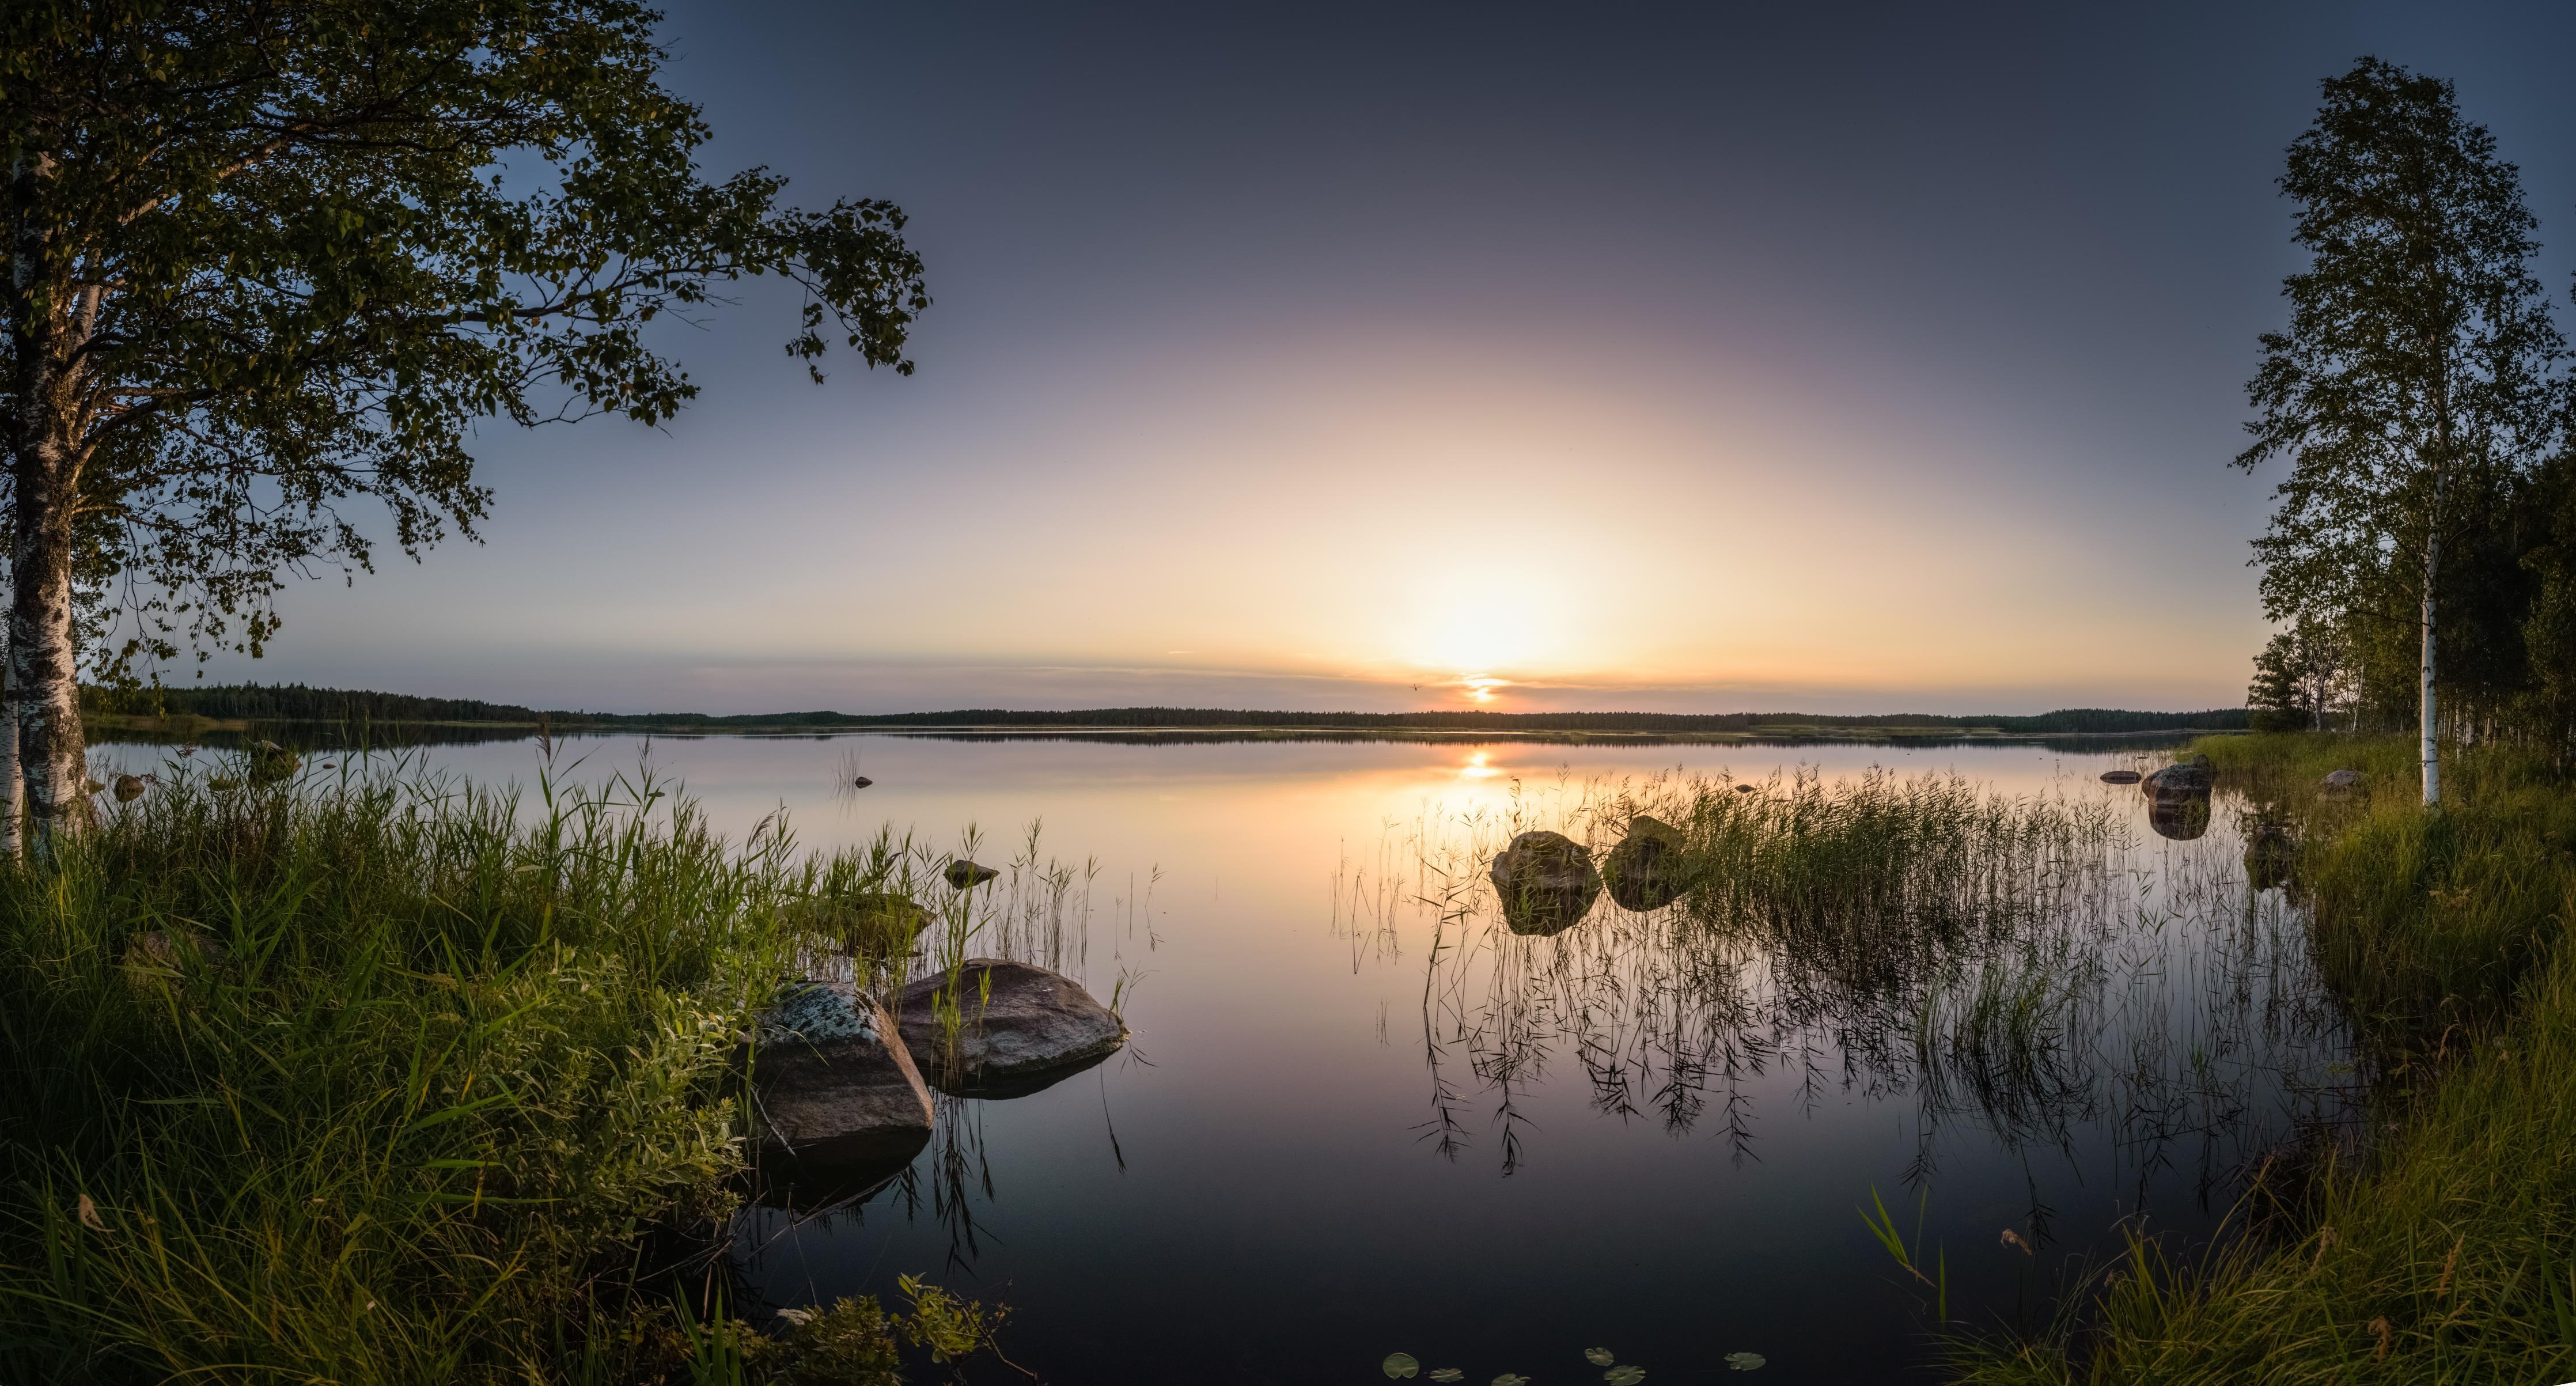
234, 708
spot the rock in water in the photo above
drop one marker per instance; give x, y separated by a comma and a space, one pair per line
1019, 1028
963, 873
1744, 789
861, 782
2119, 777
2182, 778
128, 788
1545, 882
2343, 779
841, 1105
1646, 870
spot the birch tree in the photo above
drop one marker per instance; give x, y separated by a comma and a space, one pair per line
2418, 379
272, 261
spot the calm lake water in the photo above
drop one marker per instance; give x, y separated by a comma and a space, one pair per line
1358, 1116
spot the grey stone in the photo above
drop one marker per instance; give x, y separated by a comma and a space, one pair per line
838, 1095
1546, 883
962, 873
2343, 779
2120, 777
1020, 1028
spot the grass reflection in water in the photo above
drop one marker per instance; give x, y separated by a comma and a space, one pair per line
2030, 964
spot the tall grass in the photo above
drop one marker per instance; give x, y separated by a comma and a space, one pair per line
384, 1079
2445, 1250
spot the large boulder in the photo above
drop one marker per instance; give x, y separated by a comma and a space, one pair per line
839, 1102
1546, 883
1017, 1028
1649, 868
2182, 779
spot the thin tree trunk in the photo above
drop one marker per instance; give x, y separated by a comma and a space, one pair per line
13, 783
2432, 761
43, 676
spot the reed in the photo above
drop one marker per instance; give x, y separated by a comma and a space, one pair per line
2444, 1250
385, 1078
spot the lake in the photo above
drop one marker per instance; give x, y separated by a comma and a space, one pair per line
1360, 1116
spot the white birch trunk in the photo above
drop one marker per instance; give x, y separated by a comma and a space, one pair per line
2432, 760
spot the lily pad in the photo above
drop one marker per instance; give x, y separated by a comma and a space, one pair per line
1745, 1361
1600, 1357
1511, 1379
1400, 1364
1624, 1376
1447, 1374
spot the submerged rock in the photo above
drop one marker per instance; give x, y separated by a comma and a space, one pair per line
838, 1097
872, 924
1019, 1028
2120, 777
1648, 869
962, 873
1545, 882
270, 762
2182, 778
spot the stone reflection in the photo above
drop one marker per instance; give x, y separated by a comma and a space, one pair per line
2024, 964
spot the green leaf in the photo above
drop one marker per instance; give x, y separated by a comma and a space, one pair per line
1624, 1376
1510, 1379
1401, 1364
1745, 1361
1600, 1357
1447, 1374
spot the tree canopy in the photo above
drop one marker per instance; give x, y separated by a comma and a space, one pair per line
273, 258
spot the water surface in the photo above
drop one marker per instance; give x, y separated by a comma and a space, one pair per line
1358, 1116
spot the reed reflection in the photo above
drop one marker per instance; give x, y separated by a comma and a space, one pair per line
2028, 965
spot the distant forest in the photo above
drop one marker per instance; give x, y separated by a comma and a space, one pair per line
296, 702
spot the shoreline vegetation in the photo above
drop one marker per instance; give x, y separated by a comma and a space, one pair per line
236, 707
381, 1078
2441, 1248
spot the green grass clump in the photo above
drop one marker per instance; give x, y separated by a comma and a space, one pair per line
2444, 1252
381, 1081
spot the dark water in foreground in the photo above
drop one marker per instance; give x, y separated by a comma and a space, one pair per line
1359, 1117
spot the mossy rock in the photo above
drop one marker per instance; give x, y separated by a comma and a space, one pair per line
877, 927
1650, 867
1546, 883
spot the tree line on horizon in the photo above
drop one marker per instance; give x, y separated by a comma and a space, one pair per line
297, 702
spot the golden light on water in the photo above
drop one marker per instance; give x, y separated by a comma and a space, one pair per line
1479, 766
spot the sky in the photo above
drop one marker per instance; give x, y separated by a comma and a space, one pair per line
1703, 358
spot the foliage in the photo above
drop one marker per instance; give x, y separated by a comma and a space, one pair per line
2415, 392
387, 1079
2442, 1255
275, 258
